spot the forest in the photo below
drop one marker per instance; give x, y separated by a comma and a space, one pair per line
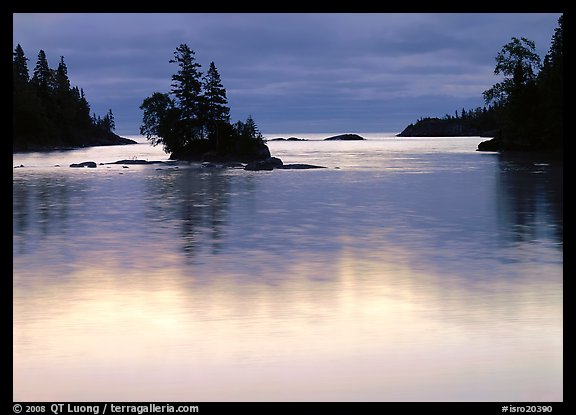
525, 109
49, 113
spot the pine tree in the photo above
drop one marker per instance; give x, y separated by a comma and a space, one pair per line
42, 77
187, 88
216, 113
109, 124
61, 81
215, 99
19, 65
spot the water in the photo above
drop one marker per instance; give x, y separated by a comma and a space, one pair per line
409, 270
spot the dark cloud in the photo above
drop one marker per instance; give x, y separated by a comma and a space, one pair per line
292, 72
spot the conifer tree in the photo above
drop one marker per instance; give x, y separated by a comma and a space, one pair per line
61, 81
214, 94
187, 88
20, 66
42, 77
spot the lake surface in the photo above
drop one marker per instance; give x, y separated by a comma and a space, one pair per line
411, 269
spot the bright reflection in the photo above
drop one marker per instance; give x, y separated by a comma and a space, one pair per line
355, 328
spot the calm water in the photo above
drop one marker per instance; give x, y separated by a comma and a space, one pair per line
409, 270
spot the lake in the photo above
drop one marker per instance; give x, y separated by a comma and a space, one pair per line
410, 269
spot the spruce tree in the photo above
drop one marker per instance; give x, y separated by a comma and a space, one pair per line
187, 88
215, 99
20, 66
42, 77
61, 81
216, 113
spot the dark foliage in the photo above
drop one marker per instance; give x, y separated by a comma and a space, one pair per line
49, 113
194, 118
525, 110
481, 121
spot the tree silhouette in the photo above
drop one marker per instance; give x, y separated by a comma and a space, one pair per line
519, 64
194, 119
20, 66
187, 88
42, 77
48, 112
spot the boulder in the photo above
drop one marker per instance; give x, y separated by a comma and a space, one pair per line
490, 145
267, 164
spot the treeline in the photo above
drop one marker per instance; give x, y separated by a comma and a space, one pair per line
480, 121
523, 112
193, 120
50, 113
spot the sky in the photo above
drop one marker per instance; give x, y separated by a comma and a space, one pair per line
292, 72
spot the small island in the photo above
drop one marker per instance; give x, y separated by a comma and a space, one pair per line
192, 121
345, 137
50, 114
288, 139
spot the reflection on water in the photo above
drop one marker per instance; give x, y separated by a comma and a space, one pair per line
211, 284
530, 193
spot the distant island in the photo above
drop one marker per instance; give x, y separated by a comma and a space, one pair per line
288, 139
345, 137
525, 110
48, 113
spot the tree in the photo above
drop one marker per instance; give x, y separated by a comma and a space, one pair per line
214, 95
108, 123
216, 111
519, 64
20, 65
194, 118
61, 81
42, 78
159, 121
187, 88
551, 89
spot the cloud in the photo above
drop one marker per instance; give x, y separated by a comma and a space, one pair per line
282, 68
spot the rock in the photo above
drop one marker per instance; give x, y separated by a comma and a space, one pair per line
490, 145
135, 162
17, 167
234, 164
300, 166
267, 164
210, 165
89, 164
345, 137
